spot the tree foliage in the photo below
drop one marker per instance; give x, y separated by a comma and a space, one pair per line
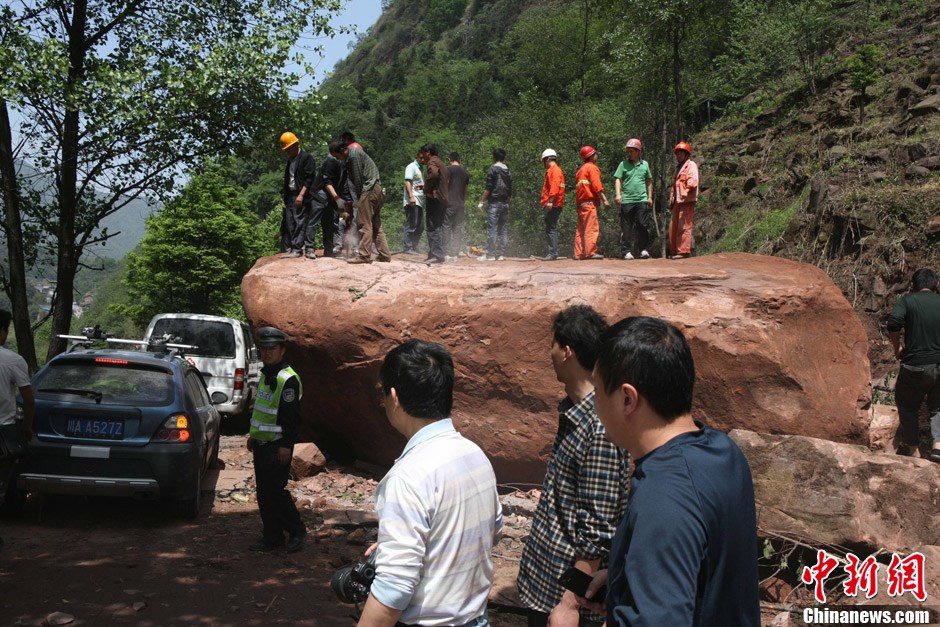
195, 252
117, 98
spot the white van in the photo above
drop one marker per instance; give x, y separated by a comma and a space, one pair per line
225, 354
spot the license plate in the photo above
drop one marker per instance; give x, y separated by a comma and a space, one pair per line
95, 428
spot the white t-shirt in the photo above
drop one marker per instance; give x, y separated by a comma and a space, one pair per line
413, 174
13, 375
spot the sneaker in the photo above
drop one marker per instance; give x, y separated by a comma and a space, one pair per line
449, 259
548, 258
295, 543
293, 254
360, 260
628, 256
263, 546
310, 255
682, 256
432, 261
486, 258
644, 254
595, 256
500, 258
383, 259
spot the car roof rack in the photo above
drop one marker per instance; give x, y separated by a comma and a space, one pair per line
165, 344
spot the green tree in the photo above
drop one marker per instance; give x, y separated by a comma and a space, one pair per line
863, 67
195, 252
118, 98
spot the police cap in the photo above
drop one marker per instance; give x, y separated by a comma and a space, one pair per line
269, 336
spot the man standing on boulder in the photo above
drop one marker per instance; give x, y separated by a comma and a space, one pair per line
435, 194
414, 205
635, 200
275, 423
682, 198
456, 207
685, 552
585, 489
588, 193
439, 513
553, 200
498, 192
918, 314
364, 178
298, 180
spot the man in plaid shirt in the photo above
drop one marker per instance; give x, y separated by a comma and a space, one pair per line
584, 494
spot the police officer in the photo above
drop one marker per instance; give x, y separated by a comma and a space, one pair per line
274, 426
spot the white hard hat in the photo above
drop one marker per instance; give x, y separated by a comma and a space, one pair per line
549, 153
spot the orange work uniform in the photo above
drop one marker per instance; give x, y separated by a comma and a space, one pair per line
553, 190
587, 193
682, 199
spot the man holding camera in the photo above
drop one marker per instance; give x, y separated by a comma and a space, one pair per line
439, 513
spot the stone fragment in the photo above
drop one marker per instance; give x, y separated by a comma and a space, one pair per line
926, 106
933, 225
916, 172
307, 461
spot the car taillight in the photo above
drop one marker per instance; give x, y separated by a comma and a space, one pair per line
115, 362
175, 429
239, 379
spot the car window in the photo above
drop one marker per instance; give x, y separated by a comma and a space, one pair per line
210, 337
110, 382
197, 389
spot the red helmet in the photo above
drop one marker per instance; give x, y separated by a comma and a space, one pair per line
634, 143
683, 146
587, 152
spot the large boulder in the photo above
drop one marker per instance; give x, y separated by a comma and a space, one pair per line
777, 347
827, 493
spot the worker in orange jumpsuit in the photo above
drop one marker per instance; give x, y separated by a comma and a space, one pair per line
553, 199
588, 191
682, 198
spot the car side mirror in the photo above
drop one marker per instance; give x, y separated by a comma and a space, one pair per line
218, 398
253, 354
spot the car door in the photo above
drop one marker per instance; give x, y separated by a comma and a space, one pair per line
208, 416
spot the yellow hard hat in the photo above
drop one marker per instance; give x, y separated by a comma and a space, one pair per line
288, 139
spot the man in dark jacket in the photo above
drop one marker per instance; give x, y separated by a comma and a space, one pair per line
436, 185
298, 180
326, 202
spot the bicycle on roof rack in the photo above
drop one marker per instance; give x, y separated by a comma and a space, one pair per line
165, 344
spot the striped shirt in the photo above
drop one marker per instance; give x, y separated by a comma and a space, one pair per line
439, 516
584, 496
362, 171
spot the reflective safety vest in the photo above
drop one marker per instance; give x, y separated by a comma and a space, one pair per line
264, 425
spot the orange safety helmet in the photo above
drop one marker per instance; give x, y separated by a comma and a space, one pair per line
587, 152
683, 146
634, 143
288, 139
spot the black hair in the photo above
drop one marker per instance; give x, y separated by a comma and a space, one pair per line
454, 156
653, 356
337, 146
422, 374
347, 137
431, 149
499, 154
5, 318
580, 327
924, 279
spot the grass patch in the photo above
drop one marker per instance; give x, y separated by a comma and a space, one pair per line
750, 230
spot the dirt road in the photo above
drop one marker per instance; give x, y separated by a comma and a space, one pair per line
95, 561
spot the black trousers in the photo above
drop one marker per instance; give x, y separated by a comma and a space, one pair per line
634, 227
436, 212
321, 215
279, 515
295, 221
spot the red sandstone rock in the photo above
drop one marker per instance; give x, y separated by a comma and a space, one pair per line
777, 347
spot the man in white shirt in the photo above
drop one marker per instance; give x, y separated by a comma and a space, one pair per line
439, 513
414, 206
13, 376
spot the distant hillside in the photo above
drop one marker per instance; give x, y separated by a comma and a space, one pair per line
127, 224
767, 92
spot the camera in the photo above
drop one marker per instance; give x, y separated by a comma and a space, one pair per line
351, 583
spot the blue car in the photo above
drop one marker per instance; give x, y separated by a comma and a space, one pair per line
121, 423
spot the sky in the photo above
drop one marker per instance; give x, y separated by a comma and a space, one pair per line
359, 14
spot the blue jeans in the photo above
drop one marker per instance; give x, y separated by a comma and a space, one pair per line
414, 226
497, 215
551, 229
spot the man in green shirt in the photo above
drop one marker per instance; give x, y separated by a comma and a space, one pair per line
635, 198
364, 177
918, 314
